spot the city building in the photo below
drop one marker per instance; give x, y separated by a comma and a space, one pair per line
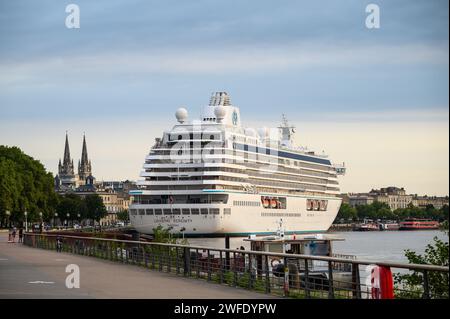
394, 197
114, 194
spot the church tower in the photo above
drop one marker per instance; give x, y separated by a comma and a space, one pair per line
66, 178
84, 166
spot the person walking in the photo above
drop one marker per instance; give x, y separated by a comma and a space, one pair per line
10, 231
20, 235
14, 235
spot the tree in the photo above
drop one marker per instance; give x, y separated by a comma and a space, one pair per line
123, 216
346, 212
96, 210
436, 253
25, 185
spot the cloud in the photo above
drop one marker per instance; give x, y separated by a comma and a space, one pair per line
218, 61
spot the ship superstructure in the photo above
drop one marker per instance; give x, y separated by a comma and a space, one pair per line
212, 176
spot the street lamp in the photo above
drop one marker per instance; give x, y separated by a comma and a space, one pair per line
54, 219
26, 221
67, 223
41, 226
8, 213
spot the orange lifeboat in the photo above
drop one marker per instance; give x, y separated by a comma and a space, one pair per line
265, 202
273, 203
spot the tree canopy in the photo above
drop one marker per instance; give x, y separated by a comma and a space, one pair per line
25, 185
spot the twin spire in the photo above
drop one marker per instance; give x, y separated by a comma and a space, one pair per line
67, 167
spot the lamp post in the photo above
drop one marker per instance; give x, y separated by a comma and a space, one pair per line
41, 225
26, 221
79, 220
8, 213
54, 219
67, 224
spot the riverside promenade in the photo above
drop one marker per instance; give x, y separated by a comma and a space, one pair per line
37, 273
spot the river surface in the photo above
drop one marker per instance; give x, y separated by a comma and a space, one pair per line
386, 246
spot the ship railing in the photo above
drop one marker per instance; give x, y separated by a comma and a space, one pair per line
287, 275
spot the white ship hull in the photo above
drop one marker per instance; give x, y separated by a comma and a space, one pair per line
241, 220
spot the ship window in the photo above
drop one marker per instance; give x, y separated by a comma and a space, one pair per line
194, 211
176, 211
158, 211
180, 137
227, 211
211, 137
149, 211
185, 211
133, 211
204, 211
215, 211
141, 211
167, 211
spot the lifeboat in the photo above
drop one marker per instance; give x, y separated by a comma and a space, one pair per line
315, 204
273, 203
265, 202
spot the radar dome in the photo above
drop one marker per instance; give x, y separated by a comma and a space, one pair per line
250, 132
181, 114
220, 111
262, 131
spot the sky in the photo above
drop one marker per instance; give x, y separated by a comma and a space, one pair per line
376, 99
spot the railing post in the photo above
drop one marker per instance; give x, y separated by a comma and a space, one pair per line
250, 279
286, 278
197, 268
169, 257
221, 268
187, 262
266, 262
307, 291
356, 282
330, 280
426, 286
235, 276
209, 265
177, 260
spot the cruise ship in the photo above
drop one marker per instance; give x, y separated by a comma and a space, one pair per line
214, 177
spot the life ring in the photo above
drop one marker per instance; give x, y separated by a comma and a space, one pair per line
273, 261
382, 283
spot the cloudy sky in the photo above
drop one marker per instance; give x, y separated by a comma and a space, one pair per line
376, 99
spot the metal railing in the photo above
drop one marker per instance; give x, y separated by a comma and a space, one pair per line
304, 276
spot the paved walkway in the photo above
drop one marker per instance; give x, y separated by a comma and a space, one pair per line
36, 273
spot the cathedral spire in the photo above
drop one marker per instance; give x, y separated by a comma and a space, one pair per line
84, 165
66, 151
84, 155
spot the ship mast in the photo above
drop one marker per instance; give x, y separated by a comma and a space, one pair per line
286, 132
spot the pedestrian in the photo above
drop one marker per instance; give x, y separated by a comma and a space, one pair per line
14, 235
20, 235
10, 235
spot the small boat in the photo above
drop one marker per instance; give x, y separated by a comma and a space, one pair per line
389, 226
366, 227
418, 224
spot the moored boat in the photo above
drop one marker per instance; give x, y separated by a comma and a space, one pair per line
418, 224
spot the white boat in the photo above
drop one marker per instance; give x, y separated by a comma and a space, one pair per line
214, 177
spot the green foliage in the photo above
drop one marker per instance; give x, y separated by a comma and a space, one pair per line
163, 235
24, 186
347, 212
411, 285
96, 210
123, 216
378, 210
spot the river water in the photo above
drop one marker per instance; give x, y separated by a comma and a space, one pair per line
386, 246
